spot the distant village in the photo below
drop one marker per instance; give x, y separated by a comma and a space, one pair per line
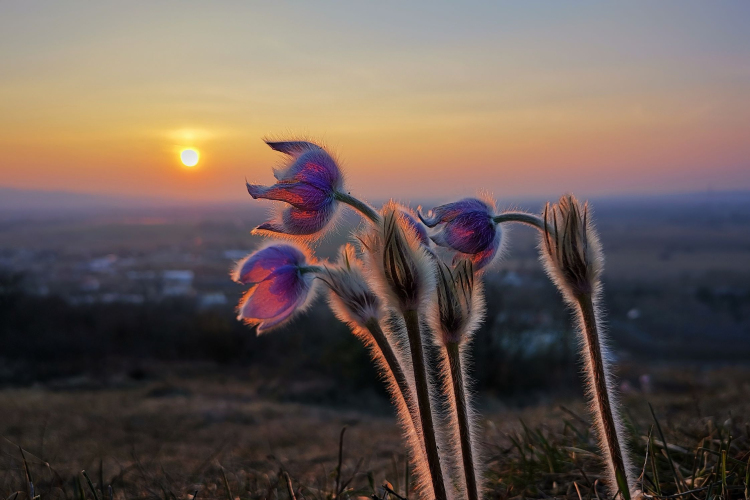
113, 278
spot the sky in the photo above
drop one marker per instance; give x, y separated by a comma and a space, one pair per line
417, 99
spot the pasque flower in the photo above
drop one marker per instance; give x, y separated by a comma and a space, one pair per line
308, 183
456, 314
395, 252
468, 228
282, 279
572, 256
460, 303
312, 184
403, 273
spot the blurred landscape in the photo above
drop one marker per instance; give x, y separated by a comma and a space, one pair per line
121, 351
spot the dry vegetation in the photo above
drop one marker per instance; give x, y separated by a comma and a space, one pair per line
170, 438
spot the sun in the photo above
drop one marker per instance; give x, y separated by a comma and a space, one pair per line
189, 157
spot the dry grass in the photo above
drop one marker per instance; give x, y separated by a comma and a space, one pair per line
168, 440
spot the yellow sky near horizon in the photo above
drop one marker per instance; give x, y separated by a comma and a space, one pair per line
436, 102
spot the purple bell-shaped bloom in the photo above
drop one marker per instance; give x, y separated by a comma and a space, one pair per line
281, 280
468, 228
309, 183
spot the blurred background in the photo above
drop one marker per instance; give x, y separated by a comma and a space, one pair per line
127, 134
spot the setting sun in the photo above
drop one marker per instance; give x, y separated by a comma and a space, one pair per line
189, 157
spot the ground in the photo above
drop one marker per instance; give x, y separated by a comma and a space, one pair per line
171, 437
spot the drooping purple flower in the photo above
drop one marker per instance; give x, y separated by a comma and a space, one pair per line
468, 228
309, 184
281, 280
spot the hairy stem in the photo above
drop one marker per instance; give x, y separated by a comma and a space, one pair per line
522, 217
423, 400
602, 404
462, 415
358, 205
395, 366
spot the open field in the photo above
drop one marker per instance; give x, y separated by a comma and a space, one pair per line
157, 397
168, 438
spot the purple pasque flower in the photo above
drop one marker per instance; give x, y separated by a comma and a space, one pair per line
309, 183
281, 277
468, 228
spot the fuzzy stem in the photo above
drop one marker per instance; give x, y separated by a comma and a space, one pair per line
462, 415
522, 217
423, 399
393, 364
358, 205
598, 381
311, 269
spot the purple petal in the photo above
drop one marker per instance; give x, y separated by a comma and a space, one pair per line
301, 195
259, 265
483, 258
300, 222
292, 148
449, 211
315, 167
470, 232
276, 298
280, 318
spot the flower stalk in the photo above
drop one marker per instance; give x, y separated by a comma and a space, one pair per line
394, 365
597, 374
522, 217
573, 259
358, 205
411, 318
456, 314
453, 351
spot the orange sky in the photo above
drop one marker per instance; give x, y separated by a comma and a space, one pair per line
419, 101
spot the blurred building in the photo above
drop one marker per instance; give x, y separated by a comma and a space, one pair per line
177, 283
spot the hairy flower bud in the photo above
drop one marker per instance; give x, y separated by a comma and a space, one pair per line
400, 266
351, 298
571, 249
460, 303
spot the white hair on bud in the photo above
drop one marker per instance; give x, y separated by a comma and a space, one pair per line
465, 295
572, 256
350, 297
458, 294
392, 246
570, 249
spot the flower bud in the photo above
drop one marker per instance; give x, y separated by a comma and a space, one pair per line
351, 298
571, 249
401, 269
460, 303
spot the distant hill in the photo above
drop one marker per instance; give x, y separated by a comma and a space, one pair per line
25, 200
25, 203
39, 204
